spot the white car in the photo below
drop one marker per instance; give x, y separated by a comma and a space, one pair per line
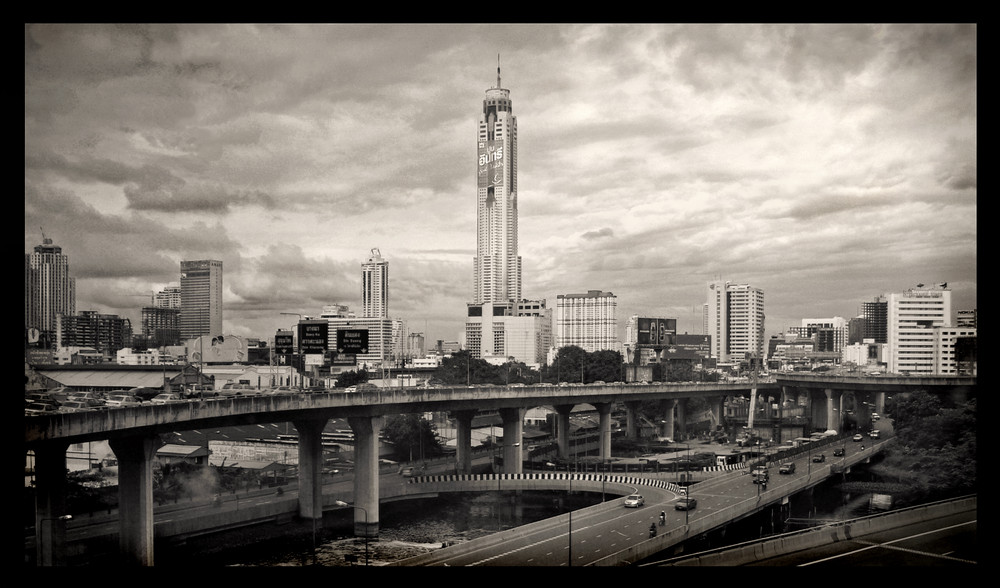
634, 501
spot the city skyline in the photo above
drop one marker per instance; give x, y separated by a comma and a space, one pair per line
823, 164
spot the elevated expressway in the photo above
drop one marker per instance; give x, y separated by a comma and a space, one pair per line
133, 434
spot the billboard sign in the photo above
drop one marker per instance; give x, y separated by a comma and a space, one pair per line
352, 341
284, 342
490, 171
313, 336
656, 331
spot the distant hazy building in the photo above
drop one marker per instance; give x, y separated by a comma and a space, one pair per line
913, 317
169, 297
734, 319
375, 286
49, 291
588, 321
831, 333
161, 326
201, 298
107, 333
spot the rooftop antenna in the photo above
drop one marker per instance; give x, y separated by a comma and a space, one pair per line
498, 70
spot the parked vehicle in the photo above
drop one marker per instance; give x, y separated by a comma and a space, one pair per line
634, 501
787, 468
40, 408
120, 400
167, 398
75, 406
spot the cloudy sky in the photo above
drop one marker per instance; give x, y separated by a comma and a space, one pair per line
825, 164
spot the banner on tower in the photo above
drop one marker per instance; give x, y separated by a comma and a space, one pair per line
490, 163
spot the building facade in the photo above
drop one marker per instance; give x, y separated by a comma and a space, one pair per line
375, 286
161, 326
519, 331
875, 320
107, 333
588, 321
734, 319
201, 298
49, 291
169, 297
914, 317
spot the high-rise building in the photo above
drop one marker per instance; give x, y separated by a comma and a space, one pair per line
375, 286
498, 332
588, 321
734, 319
497, 266
107, 333
169, 297
201, 298
161, 326
876, 317
831, 333
49, 291
914, 317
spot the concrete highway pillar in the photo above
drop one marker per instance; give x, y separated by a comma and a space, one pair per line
668, 406
562, 428
366, 431
604, 412
831, 412
310, 467
513, 428
880, 402
632, 419
715, 406
682, 417
135, 497
50, 504
463, 440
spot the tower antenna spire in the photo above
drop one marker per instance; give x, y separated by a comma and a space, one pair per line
498, 70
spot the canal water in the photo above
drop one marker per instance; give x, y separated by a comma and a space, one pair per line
409, 528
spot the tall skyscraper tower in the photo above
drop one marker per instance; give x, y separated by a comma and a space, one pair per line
375, 286
48, 289
201, 298
588, 321
497, 266
734, 318
914, 320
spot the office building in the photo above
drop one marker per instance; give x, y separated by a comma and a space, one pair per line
588, 321
875, 320
169, 297
375, 286
107, 333
49, 291
913, 318
201, 298
161, 326
734, 319
497, 266
518, 331
831, 334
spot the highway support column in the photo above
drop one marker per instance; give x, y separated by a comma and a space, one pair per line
463, 440
50, 504
366, 430
562, 428
310, 467
513, 429
604, 412
135, 497
632, 419
667, 406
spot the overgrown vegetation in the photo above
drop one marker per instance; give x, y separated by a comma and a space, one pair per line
935, 454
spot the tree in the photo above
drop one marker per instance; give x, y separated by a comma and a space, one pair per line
412, 437
352, 378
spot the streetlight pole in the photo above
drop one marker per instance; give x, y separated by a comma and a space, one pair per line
342, 503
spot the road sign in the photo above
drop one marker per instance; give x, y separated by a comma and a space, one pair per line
313, 336
352, 341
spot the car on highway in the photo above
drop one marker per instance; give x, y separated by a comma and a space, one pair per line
634, 501
819, 458
875, 416
760, 475
874, 434
857, 437
839, 452
787, 468
685, 503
